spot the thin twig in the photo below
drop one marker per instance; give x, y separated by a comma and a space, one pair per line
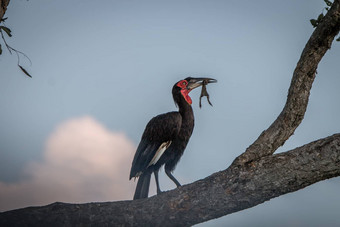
10, 49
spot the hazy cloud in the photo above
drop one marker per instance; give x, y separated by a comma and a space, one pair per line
83, 161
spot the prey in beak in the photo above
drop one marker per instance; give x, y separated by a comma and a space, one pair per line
195, 82
204, 92
201, 81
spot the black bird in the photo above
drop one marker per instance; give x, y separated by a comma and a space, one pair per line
165, 138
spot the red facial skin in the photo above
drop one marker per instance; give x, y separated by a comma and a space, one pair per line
184, 90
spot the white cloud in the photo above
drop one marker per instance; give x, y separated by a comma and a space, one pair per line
83, 162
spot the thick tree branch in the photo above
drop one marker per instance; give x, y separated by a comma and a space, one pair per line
294, 110
225, 192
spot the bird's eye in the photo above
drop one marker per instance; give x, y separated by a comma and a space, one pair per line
184, 83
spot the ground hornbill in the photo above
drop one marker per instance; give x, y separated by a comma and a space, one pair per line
165, 138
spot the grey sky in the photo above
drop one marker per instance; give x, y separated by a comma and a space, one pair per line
116, 61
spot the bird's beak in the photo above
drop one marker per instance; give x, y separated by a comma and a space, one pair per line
196, 82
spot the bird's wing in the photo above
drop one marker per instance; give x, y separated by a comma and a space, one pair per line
157, 137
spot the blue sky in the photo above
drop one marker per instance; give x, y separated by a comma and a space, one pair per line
109, 66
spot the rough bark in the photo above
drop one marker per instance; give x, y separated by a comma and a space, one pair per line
254, 177
3, 7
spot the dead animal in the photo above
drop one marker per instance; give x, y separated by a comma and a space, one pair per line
204, 92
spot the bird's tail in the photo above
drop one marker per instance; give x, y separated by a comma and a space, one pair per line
142, 188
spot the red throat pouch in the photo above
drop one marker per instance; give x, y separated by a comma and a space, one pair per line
185, 93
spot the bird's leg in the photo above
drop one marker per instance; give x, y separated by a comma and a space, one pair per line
168, 172
157, 182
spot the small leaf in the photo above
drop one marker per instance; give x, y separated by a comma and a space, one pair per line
320, 17
0, 50
3, 19
314, 23
328, 3
338, 39
24, 70
7, 30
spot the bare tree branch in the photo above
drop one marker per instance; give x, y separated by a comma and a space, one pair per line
304, 74
225, 192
